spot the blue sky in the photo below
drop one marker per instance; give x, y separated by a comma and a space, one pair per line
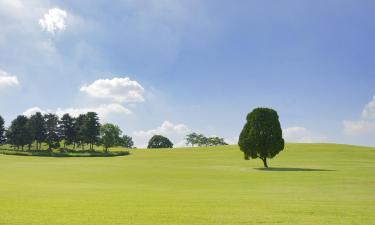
172, 67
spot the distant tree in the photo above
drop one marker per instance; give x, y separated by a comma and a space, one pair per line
158, 141
202, 140
91, 129
110, 134
261, 136
192, 139
126, 141
67, 129
79, 129
215, 141
19, 133
37, 127
2, 131
52, 131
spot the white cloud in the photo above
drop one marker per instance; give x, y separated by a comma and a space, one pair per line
116, 89
11, 8
358, 127
365, 125
301, 135
54, 20
33, 110
175, 132
7, 79
369, 110
102, 110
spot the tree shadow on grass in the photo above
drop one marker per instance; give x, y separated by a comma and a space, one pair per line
283, 169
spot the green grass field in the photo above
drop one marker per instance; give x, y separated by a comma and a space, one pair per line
308, 184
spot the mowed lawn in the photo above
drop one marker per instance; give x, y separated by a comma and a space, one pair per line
309, 184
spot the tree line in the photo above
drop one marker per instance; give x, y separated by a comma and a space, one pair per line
77, 132
195, 139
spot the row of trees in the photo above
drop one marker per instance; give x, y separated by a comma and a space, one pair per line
195, 139
50, 129
81, 131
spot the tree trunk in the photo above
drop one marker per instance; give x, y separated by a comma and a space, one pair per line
246, 157
265, 162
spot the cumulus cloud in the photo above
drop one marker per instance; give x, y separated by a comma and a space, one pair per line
364, 125
54, 20
301, 135
102, 110
175, 132
369, 110
33, 110
358, 127
7, 79
116, 90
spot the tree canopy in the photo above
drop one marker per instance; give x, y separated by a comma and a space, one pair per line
68, 131
52, 131
201, 140
2, 130
261, 136
126, 141
48, 128
159, 141
110, 135
19, 133
37, 127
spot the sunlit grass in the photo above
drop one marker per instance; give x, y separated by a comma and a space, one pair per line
307, 184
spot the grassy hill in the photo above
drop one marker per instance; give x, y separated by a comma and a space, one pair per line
308, 184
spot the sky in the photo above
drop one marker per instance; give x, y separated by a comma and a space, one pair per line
172, 67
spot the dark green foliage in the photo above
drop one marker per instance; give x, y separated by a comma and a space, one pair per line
79, 130
110, 134
91, 129
67, 129
215, 141
19, 133
192, 139
201, 140
52, 131
126, 141
261, 136
2, 131
158, 141
37, 127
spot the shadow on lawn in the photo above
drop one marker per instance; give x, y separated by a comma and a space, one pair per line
281, 169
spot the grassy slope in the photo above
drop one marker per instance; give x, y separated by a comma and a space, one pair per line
192, 186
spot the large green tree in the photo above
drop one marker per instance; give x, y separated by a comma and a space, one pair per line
110, 134
159, 141
19, 133
37, 127
79, 129
261, 136
52, 131
67, 129
2, 131
91, 129
126, 141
